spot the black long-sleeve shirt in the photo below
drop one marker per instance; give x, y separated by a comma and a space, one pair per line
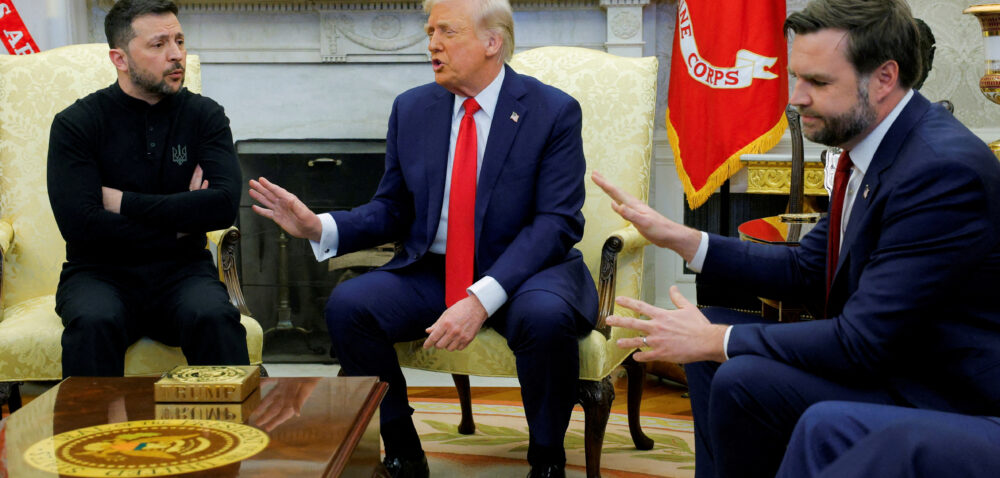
149, 152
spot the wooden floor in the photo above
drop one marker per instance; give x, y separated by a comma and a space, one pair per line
659, 396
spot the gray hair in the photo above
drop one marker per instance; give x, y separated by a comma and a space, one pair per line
494, 16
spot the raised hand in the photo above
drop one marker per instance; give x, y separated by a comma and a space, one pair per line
285, 209
652, 225
680, 336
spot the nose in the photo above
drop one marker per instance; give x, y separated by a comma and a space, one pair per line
433, 43
175, 52
799, 96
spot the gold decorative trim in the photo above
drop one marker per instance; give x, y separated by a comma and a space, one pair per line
775, 177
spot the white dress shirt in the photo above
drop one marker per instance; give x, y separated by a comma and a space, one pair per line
489, 292
861, 157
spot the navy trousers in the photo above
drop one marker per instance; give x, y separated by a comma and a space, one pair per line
746, 408
106, 308
366, 315
861, 440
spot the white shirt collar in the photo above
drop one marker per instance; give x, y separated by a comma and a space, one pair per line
863, 153
487, 98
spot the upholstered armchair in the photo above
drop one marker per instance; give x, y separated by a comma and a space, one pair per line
618, 97
33, 89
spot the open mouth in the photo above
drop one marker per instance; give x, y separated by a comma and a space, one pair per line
436, 64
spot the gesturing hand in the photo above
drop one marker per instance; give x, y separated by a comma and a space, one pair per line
652, 225
457, 326
680, 336
285, 209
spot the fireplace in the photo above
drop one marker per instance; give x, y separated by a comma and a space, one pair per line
285, 287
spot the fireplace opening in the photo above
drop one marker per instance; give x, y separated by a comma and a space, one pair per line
284, 286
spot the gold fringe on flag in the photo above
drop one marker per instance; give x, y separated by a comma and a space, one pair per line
696, 198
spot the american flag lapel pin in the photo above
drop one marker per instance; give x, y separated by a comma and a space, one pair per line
865, 194
514, 117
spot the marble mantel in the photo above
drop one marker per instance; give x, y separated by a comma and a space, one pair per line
380, 31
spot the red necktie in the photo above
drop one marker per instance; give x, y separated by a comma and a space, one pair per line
836, 212
461, 241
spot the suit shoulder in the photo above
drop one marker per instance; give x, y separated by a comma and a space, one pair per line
419, 95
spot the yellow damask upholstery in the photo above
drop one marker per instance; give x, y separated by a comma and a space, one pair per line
618, 99
33, 89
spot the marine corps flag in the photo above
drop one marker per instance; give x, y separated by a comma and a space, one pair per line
728, 88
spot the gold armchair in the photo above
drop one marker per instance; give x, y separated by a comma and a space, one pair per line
33, 89
618, 98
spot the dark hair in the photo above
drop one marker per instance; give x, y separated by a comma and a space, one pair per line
877, 31
118, 23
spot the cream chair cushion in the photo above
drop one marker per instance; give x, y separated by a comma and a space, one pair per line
618, 97
33, 89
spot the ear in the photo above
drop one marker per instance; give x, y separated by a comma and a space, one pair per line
493, 44
118, 58
884, 80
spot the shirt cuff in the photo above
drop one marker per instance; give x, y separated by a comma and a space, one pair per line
725, 342
490, 293
328, 241
698, 261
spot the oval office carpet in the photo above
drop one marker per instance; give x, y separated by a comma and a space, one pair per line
499, 446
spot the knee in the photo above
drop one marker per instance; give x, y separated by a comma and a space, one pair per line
91, 319
204, 318
343, 308
540, 317
738, 376
821, 421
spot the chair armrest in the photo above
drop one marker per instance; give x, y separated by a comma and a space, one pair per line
223, 244
6, 239
623, 240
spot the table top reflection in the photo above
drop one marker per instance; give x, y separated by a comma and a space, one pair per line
317, 426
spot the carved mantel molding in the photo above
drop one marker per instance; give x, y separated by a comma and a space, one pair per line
359, 31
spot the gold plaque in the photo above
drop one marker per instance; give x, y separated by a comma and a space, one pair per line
227, 412
212, 384
146, 448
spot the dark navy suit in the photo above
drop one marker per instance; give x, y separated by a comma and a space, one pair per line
528, 199
864, 440
915, 318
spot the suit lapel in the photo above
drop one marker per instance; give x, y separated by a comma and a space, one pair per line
438, 133
885, 155
503, 129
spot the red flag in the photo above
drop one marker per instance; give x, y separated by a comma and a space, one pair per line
728, 88
15, 35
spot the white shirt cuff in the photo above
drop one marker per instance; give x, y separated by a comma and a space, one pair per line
490, 293
328, 241
698, 261
725, 342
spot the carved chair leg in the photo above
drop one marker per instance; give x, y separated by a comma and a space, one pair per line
467, 426
596, 398
636, 376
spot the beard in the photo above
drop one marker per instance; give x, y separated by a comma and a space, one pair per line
146, 81
842, 128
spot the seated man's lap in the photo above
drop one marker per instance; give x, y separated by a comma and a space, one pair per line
402, 302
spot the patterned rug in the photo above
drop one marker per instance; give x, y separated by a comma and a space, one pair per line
499, 446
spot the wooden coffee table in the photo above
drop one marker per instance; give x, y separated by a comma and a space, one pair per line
317, 427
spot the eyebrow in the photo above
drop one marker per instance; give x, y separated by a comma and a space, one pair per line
164, 36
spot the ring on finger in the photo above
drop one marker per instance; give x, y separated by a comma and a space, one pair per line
644, 342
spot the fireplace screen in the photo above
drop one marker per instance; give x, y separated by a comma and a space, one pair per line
285, 288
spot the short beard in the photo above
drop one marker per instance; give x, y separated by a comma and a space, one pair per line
845, 127
148, 83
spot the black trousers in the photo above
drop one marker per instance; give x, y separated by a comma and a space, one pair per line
106, 308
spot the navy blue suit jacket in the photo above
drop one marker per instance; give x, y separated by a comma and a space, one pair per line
916, 296
528, 198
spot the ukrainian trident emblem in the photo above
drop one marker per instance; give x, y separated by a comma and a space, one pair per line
180, 154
